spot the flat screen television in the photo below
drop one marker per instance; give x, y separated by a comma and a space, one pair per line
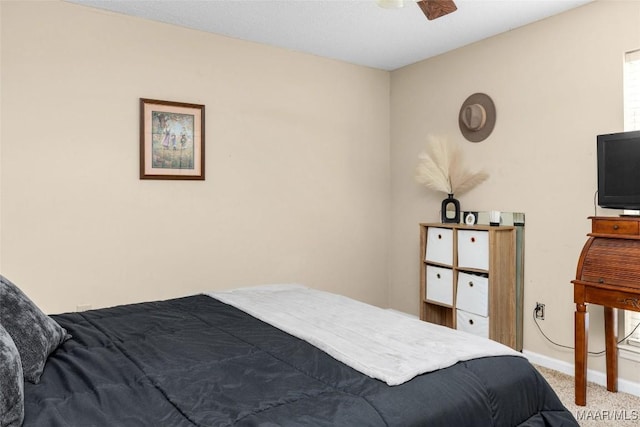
619, 171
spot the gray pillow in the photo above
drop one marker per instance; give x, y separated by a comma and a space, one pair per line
34, 333
11, 382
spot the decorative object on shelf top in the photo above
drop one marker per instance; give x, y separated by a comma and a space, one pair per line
506, 218
477, 117
450, 210
495, 218
440, 168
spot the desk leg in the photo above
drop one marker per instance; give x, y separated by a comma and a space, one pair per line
611, 346
581, 341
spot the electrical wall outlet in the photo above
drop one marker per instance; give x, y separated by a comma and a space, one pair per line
539, 311
83, 307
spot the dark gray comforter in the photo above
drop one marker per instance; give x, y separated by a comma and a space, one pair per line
195, 361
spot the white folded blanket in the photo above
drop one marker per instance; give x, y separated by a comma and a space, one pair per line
382, 344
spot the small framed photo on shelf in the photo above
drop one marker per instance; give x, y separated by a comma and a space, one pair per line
171, 140
471, 218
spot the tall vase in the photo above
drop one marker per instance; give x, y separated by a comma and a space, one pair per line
447, 214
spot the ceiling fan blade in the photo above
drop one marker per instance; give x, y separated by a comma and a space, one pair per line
433, 9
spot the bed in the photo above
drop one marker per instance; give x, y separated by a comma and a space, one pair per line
198, 361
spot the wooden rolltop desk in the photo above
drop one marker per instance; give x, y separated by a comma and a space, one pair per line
608, 274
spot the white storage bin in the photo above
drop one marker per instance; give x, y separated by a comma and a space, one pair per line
439, 245
439, 285
473, 294
473, 249
472, 323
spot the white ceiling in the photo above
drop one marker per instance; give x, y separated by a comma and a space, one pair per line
355, 31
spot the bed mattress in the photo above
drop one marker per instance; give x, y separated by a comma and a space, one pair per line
196, 361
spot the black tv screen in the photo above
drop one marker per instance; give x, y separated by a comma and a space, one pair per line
619, 170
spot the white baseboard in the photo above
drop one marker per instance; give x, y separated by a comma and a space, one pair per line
597, 377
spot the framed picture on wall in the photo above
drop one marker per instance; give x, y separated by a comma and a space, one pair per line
171, 140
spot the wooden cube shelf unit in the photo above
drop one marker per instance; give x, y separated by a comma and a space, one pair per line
469, 280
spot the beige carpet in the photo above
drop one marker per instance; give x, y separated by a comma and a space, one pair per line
603, 407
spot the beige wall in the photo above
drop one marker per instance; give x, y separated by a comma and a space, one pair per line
297, 163
556, 85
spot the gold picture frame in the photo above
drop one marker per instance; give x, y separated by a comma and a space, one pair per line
171, 140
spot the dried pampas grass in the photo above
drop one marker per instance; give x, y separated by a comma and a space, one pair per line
440, 168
